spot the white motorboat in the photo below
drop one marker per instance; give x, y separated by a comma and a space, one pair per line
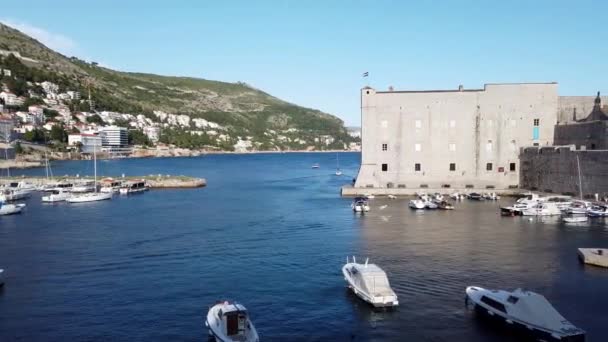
360, 205
445, 205
529, 201
84, 186
391, 197
315, 166
437, 197
594, 256
597, 211
575, 219
370, 283
561, 202
476, 196
230, 322
430, 205
66, 186
417, 204
56, 196
9, 209
491, 196
542, 209
91, 196
132, 187
14, 194
528, 311
578, 207
457, 196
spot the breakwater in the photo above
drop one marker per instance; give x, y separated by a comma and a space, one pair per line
154, 181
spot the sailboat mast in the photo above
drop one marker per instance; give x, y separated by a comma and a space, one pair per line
95, 166
8, 167
580, 182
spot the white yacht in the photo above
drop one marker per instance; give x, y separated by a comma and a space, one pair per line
542, 209
370, 283
132, 187
13, 194
417, 204
230, 322
9, 209
360, 205
56, 196
84, 186
529, 201
526, 310
430, 205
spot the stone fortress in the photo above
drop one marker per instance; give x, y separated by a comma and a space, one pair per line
465, 139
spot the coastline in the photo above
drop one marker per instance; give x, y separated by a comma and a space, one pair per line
30, 161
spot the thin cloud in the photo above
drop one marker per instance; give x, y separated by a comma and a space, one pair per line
55, 41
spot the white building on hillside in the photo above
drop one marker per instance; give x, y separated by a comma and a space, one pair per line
114, 136
457, 139
153, 133
89, 142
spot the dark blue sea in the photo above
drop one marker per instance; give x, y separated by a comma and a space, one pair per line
272, 233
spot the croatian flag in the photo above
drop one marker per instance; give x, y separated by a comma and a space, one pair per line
365, 74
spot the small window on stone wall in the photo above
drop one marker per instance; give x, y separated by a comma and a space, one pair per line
384, 147
489, 167
512, 167
452, 166
417, 167
384, 167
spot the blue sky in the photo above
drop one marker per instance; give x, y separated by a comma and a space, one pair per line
313, 52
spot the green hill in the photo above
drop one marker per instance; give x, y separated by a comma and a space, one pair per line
241, 109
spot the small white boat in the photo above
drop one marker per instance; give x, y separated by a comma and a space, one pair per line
575, 219
430, 205
9, 209
132, 187
89, 197
594, 256
110, 185
457, 196
56, 196
491, 196
371, 197
417, 204
528, 311
66, 186
370, 283
360, 205
391, 197
476, 196
338, 171
578, 207
542, 209
230, 322
437, 197
315, 166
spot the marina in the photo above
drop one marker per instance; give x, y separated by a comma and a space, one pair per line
157, 261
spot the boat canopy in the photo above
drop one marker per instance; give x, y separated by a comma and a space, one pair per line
372, 279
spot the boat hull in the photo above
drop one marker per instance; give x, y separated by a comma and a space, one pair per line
90, 198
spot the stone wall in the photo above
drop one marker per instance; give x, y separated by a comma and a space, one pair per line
554, 170
591, 135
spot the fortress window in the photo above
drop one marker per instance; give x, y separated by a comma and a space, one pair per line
417, 167
489, 167
384, 147
512, 167
384, 167
536, 122
452, 166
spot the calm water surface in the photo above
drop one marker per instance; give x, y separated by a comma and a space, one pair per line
272, 233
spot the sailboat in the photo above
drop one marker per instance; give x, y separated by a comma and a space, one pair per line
91, 196
338, 171
575, 206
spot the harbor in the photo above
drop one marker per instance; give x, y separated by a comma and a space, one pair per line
154, 181
165, 257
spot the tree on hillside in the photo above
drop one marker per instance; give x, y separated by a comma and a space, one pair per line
58, 133
137, 137
36, 135
31, 101
50, 113
96, 119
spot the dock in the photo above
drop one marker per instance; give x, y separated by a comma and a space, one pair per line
155, 181
594, 256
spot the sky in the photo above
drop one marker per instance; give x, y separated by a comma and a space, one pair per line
313, 53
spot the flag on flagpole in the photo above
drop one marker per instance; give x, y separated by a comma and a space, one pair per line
365, 74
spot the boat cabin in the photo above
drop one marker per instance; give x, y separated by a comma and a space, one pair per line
371, 279
234, 317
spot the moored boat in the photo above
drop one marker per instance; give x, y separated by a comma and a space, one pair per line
578, 207
416, 204
56, 196
228, 322
110, 185
598, 210
445, 205
132, 187
14, 194
527, 311
476, 196
370, 283
542, 209
84, 186
89, 197
575, 219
